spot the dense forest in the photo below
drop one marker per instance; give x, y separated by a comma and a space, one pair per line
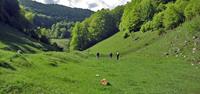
137, 16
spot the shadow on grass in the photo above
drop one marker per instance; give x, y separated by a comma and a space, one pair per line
7, 66
15, 40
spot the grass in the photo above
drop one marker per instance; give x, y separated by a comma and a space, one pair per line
61, 73
143, 68
13, 40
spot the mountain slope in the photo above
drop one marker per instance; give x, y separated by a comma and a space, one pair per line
143, 67
58, 12
12, 39
179, 42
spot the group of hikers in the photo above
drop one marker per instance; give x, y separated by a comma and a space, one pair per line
110, 55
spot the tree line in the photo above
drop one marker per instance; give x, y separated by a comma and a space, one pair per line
135, 16
98, 27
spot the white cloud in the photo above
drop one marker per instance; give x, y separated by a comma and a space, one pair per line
87, 4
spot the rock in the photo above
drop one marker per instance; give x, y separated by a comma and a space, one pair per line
194, 37
194, 50
104, 82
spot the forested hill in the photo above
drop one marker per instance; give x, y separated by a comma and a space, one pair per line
136, 16
56, 11
17, 31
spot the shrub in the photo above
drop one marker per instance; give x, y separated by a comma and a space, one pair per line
161, 32
126, 35
147, 27
172, 18
192, 10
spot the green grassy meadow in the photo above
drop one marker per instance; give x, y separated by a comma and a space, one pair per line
143, 68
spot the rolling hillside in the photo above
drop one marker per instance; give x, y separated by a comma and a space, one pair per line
161, 58
150, 64
184, 39
12, 40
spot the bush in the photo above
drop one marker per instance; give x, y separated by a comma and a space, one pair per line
192, 25
171, 18
192, 10
158, 20
147, 27
126, 35
161, 32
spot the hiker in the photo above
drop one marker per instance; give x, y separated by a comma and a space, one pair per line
111, 55
98, 55
118, 55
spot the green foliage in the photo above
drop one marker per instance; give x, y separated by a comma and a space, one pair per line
74, 44
168, 17
135, 14
161, 32
172, 18
192, 26
155, 24
61, 29
27, 14
158, 21
98, 27
192, 10
146, 27
117, 14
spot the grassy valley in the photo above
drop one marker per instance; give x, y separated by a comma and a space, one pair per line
156, 57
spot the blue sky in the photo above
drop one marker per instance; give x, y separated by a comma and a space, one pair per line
87, 4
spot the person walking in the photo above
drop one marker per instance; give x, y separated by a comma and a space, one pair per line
118, 55
98, 55
111, 55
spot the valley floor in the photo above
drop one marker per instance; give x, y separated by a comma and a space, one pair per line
149, 64
64, 73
